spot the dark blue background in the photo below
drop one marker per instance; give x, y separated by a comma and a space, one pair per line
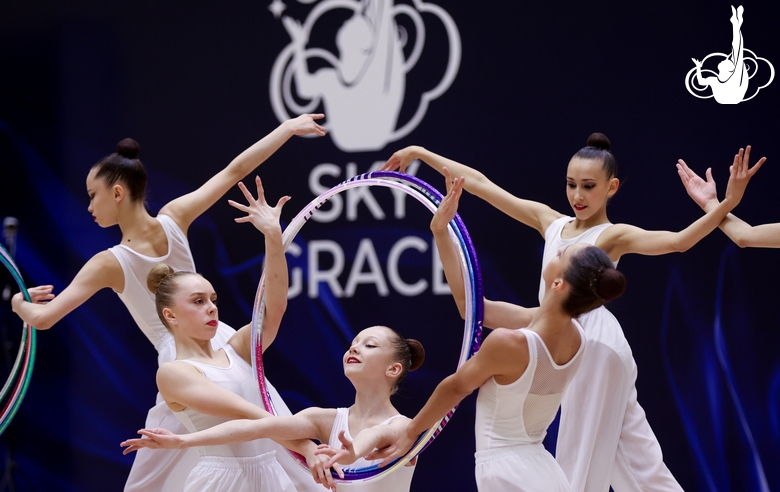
189, 81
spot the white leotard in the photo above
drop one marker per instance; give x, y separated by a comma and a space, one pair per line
140, 301
398, 481
554, 242
512, 420
243, 466
520, 412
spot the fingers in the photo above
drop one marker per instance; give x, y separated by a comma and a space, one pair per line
392, 163
447, 179
260, 192
754, 169
316, 116
249, 198
344, 440
337, 468
239, 206
708, 174
389, 459
281, 202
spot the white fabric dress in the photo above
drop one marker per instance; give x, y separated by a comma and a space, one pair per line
512, 420
240, 467
604, 438
397, 481
166, 470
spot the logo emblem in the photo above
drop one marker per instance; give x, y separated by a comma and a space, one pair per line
729, 84
363, 86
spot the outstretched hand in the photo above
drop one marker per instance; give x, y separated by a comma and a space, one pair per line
702, 192
320, 467
157, 438
305, 124
741, 172
449, 205
396, 450
264, 217
344, 456
400, 160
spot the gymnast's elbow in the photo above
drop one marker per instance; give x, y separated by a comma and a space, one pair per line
41, 323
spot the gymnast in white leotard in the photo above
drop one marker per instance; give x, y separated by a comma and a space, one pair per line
521, 374
604, 438
206, 386
116, 186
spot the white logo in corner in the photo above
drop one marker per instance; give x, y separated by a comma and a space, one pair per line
363, 87
729, 84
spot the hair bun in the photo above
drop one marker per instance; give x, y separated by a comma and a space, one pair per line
598, 140
156, 275
128, 147
611, 284
418, 353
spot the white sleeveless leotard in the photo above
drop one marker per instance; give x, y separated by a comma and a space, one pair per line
512, 420
166, 470
604, 438
240, 467
397, 481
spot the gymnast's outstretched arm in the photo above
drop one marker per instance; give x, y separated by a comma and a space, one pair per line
496, 314
704, 193
533, 214
187, 208
184, 386
266, 219
621, 239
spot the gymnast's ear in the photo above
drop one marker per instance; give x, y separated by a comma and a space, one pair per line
119, 192
170, 318
558, 284
612, 188
394, 370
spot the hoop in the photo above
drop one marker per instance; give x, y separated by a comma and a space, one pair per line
472, 279
19, 378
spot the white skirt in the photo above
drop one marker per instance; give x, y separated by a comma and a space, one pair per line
239, 474
521, 468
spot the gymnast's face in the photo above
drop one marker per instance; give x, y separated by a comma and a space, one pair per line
370, 354
555, 268
194, 310
588, 187
102, 200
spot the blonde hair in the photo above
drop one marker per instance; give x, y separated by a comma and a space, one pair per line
161, 281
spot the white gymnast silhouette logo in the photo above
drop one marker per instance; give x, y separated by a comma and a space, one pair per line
363, 89
730, 84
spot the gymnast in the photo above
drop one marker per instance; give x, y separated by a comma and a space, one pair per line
604, 438
704, 193
116, 186
203, 386
376, 362
521, 374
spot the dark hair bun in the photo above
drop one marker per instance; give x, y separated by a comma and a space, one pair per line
418, 353
128, 147
611, 284
156, 275
598, 140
